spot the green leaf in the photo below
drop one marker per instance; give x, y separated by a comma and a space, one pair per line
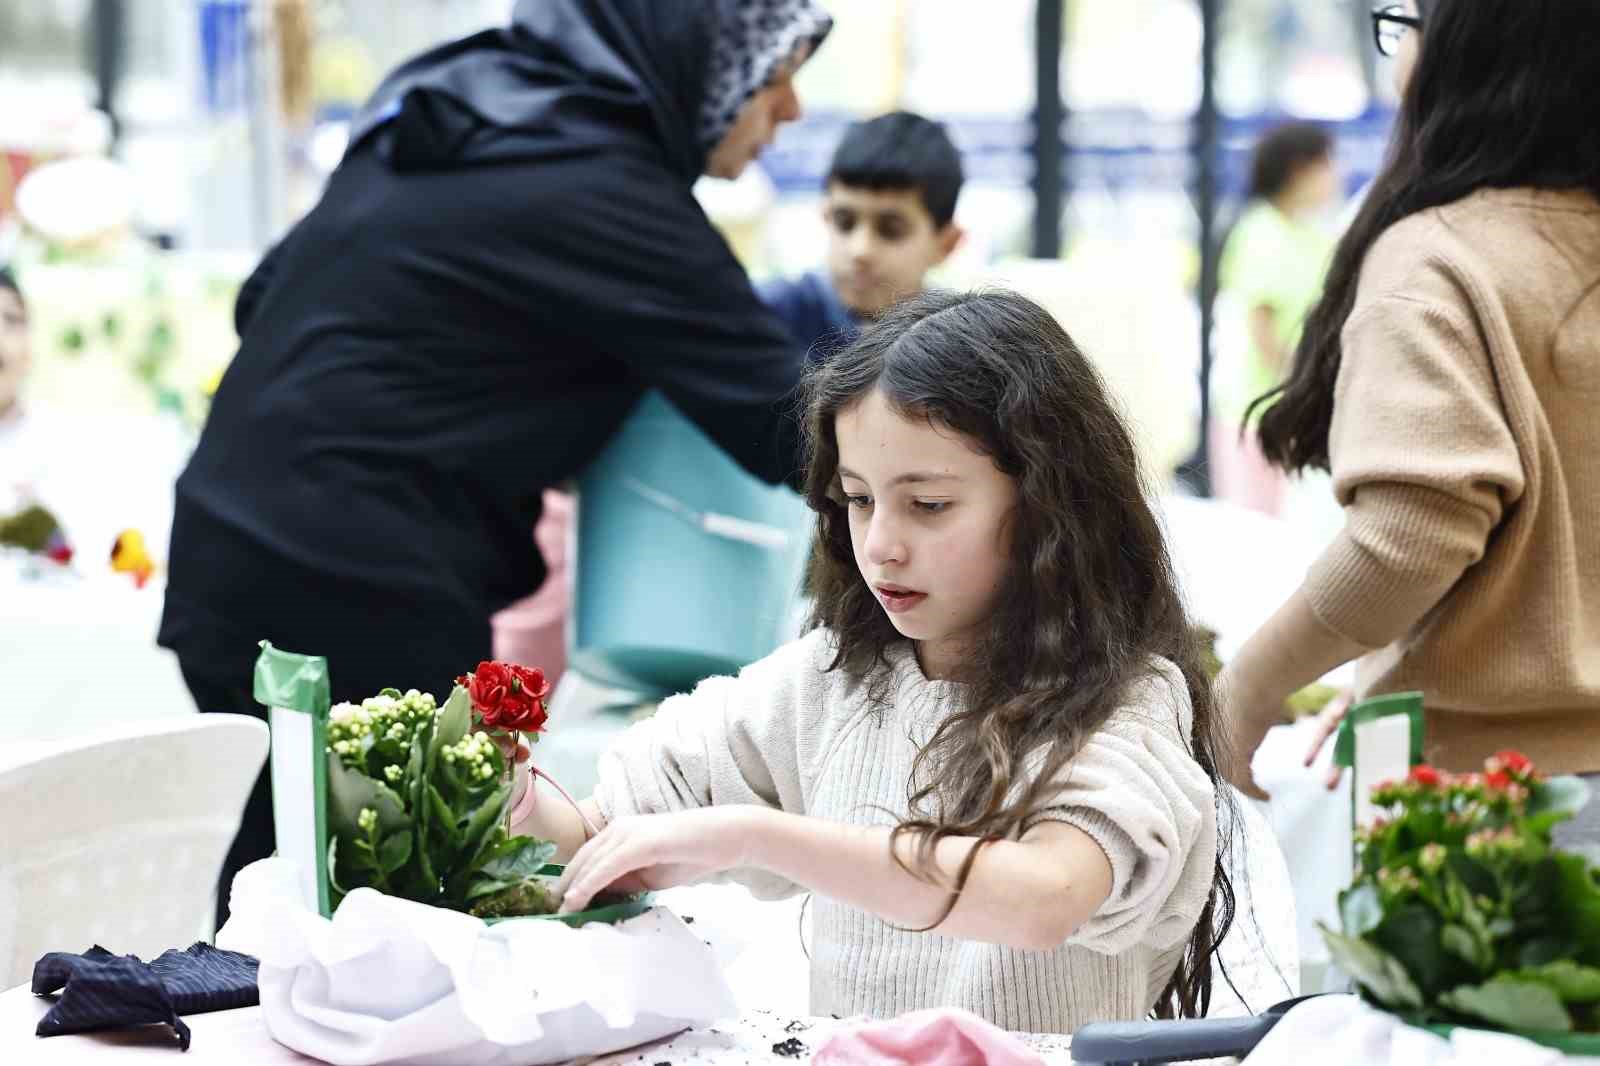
1541, 951
1511, 1003
1411, 934
477, 839
394, 851
349, 791
1474, 876
454, 719
365, 858
1463, 945
1360, 909
1571, 981
517, 859
443, 816
421, 810
1379, 972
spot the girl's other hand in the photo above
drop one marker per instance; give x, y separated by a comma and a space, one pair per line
512, 746
657, 851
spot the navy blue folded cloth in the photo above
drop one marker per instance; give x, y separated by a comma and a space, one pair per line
100, 990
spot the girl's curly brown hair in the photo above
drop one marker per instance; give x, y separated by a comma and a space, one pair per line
1090, 596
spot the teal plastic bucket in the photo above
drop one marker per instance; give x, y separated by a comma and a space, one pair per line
687, 566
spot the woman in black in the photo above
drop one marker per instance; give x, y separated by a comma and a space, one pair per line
509, 255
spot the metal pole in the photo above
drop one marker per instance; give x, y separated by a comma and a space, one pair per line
1048, 115
1197, 471
108, 30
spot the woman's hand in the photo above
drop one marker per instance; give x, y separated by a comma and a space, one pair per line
655, 851
1328, 720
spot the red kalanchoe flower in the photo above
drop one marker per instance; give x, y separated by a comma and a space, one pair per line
1512, 762
1424, 775
507, 696
1498, 780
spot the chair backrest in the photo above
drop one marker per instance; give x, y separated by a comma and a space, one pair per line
117, 839
1261, 953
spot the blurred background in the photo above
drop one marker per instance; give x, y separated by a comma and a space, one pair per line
150, 150
1111, 136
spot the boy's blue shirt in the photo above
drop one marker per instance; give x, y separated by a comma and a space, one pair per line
812, 311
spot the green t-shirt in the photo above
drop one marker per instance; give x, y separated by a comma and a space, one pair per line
1274, 261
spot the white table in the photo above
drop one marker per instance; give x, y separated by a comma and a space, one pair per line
227, 1038
79, 653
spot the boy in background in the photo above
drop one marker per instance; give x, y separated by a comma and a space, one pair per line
889, 210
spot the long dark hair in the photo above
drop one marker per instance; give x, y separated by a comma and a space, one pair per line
1502, 97
1089, 599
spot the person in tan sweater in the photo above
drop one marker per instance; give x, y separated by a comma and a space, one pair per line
1450, 381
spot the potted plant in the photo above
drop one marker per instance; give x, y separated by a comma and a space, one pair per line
1463, 913
417, 796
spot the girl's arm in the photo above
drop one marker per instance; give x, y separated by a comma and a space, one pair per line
553, 818
1122, 855
1030, 894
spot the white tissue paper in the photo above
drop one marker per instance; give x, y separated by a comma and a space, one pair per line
1339, 1030
1312, 825
390, 981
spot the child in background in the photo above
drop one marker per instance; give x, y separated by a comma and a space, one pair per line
1272, 268
992, 756
889, 210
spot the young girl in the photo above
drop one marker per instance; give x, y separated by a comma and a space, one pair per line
991, 758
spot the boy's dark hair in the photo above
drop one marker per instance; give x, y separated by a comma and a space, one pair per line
1090, 602
901, 150
1281, 154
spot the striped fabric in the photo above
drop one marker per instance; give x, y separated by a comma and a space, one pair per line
100, 990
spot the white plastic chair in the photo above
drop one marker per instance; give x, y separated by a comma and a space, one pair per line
1261, 953
117, 839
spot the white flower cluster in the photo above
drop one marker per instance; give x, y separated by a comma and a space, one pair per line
474, 751
387, 717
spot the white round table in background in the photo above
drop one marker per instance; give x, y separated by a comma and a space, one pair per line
79, 653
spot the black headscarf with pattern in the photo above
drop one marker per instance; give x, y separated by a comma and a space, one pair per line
570, 75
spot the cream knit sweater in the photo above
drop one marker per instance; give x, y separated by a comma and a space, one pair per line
789, 735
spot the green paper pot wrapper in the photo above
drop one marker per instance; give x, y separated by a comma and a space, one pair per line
294, 688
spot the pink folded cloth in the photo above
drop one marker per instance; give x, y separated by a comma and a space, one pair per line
938, 1037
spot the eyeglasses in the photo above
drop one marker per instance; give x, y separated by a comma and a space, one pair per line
1390, 26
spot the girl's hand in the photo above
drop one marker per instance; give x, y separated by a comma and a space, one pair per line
518, 753
656, 851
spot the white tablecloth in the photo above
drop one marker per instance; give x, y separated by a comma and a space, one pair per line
79, 653
228, 1038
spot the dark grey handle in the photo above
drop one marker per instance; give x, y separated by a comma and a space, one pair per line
1111, 1043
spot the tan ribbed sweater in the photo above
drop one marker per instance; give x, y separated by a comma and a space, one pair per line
1465, 449
789, 735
